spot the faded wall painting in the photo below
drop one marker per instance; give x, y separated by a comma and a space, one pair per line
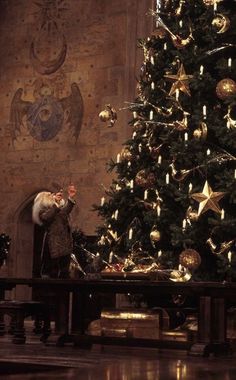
46, 113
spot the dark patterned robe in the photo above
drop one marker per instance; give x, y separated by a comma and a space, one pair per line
58, 236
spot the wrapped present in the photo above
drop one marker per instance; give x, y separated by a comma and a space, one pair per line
131, 323
177, 336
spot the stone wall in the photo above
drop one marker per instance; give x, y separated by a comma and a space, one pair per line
101, 58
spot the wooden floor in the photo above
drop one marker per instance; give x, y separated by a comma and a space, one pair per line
35, 361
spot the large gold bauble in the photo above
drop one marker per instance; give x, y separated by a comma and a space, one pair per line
225, 88
155, 235
190, 258
126, 154
104, 115
144, 179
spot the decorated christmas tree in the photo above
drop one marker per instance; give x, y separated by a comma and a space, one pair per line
172, 203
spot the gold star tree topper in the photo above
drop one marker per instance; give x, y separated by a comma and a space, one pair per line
181, 81
208, 200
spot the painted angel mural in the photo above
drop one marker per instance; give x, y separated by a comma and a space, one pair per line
46, 115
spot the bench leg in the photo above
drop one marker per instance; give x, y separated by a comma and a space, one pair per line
19, 330
46, 328
38, 325
2, 325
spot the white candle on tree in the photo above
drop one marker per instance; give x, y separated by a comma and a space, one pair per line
222, 215
177, 94
118, 158
130, 233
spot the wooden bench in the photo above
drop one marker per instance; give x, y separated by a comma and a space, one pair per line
18, 311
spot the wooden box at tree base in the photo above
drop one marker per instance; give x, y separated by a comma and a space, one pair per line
177, 336
130, 323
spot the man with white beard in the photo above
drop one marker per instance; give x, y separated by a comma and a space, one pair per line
51, 211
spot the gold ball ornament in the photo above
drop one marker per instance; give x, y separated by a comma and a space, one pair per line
209, 3
141, 179
151, 179
225, 88
155, 235
138, 126
109, 114
126, 154
192, 215
201, 132
144, 179
197, 133
190, 258
104, 115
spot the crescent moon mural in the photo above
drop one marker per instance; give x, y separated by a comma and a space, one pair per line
48, 67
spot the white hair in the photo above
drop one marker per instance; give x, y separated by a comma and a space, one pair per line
43, 200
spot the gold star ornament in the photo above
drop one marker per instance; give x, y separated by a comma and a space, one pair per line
208, 200
181, 81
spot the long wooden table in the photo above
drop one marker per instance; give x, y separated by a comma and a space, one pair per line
211, 299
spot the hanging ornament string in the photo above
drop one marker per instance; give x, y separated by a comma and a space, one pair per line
177, 40
221, 158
